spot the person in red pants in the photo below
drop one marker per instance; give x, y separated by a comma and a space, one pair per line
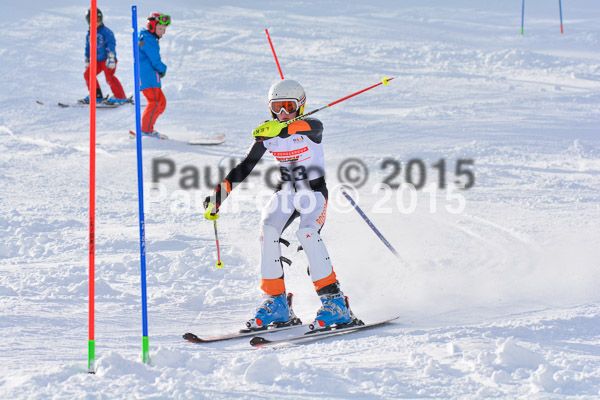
106, 61
152, 70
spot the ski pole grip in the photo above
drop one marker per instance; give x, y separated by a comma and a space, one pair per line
208, 213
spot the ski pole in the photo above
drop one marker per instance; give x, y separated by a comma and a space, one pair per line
368, 221
274, 55
219, 263
384, 81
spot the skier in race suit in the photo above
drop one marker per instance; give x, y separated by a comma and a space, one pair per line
302, 193
106, 60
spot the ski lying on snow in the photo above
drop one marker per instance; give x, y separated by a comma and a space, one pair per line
190, 337
99, 104
195, 142
218, 139
159, 136
310, 336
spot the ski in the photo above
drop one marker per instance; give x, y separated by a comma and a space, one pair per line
195, 142
218, 139
99, 104
311, 336
81, 105
293, 322
190, 337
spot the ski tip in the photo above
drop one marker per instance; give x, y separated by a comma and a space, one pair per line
259, 341
190, 337
392, 319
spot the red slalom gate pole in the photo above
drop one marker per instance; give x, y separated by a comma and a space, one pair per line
92, 247
274, 55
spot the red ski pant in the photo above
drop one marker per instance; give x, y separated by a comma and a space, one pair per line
111, 79
156, 105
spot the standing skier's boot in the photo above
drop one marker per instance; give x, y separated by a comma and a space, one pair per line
275, 310
99, 97
114, 100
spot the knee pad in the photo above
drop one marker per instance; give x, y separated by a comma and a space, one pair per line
270, 253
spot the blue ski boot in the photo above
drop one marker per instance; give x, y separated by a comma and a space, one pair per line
86, 100
334, 311
274, 311
114, 100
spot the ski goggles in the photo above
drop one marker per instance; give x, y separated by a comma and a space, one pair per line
87, 17
287, 106
162, 19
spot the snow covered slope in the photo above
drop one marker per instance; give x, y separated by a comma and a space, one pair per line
499, 299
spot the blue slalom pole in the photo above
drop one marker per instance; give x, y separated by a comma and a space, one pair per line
560, 11
138, 139
368, 221
522, 16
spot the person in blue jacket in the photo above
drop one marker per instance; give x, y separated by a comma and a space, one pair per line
106, 60
152, 70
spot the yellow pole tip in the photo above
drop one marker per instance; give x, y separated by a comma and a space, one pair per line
219, 264
385, 81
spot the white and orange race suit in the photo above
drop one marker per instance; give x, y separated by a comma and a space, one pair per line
301, 192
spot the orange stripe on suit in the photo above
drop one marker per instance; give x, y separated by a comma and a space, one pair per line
298, 126
272, 287
321, 283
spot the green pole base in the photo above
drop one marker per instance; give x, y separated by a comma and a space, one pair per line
145, 350
91, 356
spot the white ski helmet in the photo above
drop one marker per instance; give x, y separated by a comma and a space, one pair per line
287, 89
